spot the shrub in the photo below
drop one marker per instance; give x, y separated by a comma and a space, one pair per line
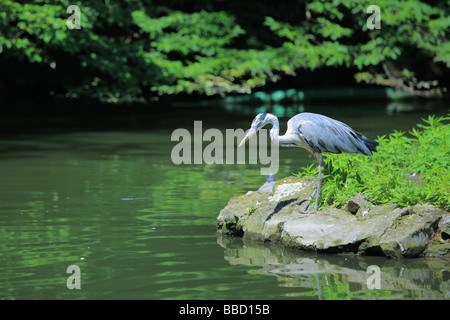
406, 169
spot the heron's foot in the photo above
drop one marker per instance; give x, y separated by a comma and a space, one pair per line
308, 202
309, 212
298, 202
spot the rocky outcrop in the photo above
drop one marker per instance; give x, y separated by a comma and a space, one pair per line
359, 227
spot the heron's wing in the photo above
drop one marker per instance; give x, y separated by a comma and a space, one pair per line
324, 134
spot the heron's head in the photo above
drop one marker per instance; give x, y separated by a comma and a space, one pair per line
260, 121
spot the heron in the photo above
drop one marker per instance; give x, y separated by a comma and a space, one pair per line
317, 134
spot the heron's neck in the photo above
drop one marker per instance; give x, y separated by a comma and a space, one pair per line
275, 132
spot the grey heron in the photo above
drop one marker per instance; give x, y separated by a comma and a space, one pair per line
317, 134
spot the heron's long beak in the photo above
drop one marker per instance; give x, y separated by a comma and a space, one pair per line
250, 133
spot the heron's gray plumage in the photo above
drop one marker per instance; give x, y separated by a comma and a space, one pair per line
316, 133
323, 134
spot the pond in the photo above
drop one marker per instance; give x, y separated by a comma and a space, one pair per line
103, 194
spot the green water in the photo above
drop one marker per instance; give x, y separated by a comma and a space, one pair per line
139, 227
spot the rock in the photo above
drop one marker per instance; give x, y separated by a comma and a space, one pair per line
440, 244
410, 236
362, 228
231, 219
335, 230
438, 249
276, 210
444, 226
358, 204
320, 232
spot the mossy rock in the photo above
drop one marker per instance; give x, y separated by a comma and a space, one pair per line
370, 229
232, 218
411, 235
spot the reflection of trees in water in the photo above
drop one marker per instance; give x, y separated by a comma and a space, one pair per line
341, 276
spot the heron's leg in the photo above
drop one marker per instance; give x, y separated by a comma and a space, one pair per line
316, 193
319, 183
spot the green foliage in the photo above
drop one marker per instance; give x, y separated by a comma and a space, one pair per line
383, 56
405, 170
251, 209
135, 49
